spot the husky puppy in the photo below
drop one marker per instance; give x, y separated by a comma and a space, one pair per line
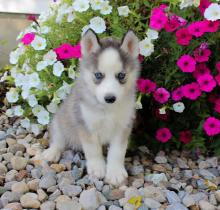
101, 106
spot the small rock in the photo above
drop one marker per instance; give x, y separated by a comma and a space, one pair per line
151, 203
29, 200
20, 187
13, 206
213, 162
156, 178
158, 167
182, 164
154, 192
206, 174
47, 181
71, 190
33, 184
2, 144
7, 156
204, 164
42, 196
58, 167
48, 205
11, 141
217, 195
77, 173
21, 175
113, 207
9, 197
114, 194
18, 163
101, 208
135, 170
188, 201
3, 169
188, 174
176, 206
54, 195
2, 135
138, 183
2, 190
199, 196
160, 159
36, 173
70, 205
212, 199
172, 197
62, 198
17, 147
205, 205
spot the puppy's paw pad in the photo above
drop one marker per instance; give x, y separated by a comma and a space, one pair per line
51, 155
116, 175
96, 168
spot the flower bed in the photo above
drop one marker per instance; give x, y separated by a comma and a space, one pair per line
179, 52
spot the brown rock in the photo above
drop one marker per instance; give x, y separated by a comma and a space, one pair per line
157, 167
21, 175
13, 206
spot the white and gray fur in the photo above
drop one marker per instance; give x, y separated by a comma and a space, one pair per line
85, 120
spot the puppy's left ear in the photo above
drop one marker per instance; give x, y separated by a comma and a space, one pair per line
130, 44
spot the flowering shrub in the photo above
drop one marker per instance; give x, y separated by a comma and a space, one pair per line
179, 97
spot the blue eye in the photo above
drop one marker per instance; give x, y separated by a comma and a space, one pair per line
99, 75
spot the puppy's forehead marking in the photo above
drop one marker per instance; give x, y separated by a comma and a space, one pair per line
109, 60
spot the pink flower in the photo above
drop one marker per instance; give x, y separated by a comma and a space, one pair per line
146, 85
163, 135
191, 91
201, 69
217, 78
183, 37
67, 51
158, 19
174, 23
28, 38
161, 95
32, 17
213, 98
177, 94
212, 126
202, 55
204, 5
185, 136
197, 28
218, 66
186, 63
211, 26
206, 83
217, 106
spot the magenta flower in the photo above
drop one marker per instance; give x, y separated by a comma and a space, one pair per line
146, 85
174, 23
217, 65
197, 28
67, 51
217, 78
161, 95
185, 136
204, 4
213, 97
202, 55
201, 70
158, 19
183, 37
192, 91
211, 26
163, 135
206, 83
212, 126
177, 94
186, 63
28, 38
217, 106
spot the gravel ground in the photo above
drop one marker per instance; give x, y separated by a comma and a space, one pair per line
174, 181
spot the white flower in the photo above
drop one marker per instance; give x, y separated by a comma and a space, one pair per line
12, 95
58, 68
152, 34
14, 71
96, 4
37, 109
50, 57
146, 47
25, 123
105, 8
45, 15
63, 91
44, 29
71, 73
123, 11
41, 65
97, 24
186, 3
84, 29
19, 80
25, 93
63, 9
34, 79
4, 77
43, 117
18, 111
162, 110
13, 57
70, 17
32, 101
36, 129
39, 43
52, 107
26, 67
81, 5
9, 112
178, 107
138, 105
212, 12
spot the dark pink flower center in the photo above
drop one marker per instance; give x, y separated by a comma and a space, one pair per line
186, 63
161, 95
212, 125
191, 90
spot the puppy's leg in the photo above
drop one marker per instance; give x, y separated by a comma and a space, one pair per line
57, 144
93, 153
116, 173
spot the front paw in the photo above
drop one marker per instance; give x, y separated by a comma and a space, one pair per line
116, 175
50, 155
96, 168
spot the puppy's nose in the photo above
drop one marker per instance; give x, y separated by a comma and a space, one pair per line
110, 99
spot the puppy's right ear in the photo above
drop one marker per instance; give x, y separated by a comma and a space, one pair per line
89, 43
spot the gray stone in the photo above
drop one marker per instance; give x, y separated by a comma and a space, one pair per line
18, 163
154, 192
205, 205
199, 196
54, 195
71, 190
2, 144
9, 197
3, 135
3, 169
217, 195
29, 200
77, 173
70, 205
172, 197
188, 201
156, 178
213, 161
135, 170
206, 174
182, 164
151, 203
48, 205
204, 165
212, 199
188, 174
160, 159
47, 181
113, 207
36, 173
17, 147
20, 187
176, 206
